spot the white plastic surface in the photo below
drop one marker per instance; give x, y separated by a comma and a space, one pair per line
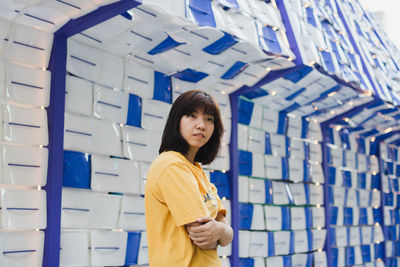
154, 114
139, 144
25, 125
109, 104
28, 86
256, 190
24, 165
29, 46
23, 209
115, 175
132, 213
22, 248
257, 222
79, 96
74, 246
107, 248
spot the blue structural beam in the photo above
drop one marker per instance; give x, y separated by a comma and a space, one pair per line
55, 111
324, 128
357, 50
234, 174
100, 15
289, 32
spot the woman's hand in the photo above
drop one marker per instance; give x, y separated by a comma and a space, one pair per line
207, 233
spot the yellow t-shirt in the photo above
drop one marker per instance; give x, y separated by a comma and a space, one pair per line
177, 193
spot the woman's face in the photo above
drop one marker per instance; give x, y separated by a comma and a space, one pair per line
197, 128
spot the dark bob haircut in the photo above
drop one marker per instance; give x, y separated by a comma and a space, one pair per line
186, 104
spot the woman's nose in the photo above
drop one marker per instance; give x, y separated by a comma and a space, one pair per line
200, 123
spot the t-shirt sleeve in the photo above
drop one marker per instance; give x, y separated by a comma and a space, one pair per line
220, 206
179, 189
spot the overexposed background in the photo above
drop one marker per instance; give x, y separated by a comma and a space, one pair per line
386, 13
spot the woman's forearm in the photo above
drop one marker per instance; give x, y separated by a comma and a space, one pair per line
226, 234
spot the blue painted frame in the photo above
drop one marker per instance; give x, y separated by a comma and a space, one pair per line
55, 111
324, 128
57, 66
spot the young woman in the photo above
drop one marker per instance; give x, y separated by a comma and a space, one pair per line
185, 219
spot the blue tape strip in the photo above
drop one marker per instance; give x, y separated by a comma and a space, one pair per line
234, 70
333, 215
327, 59
306, 151
285, 218
307, 192
295, 94
271, 244
221, 44
298, 75
287, 139
167, 44
162, 87
306, 171
190, 75
291, 248
366, 253
132, 248
245, 215
310, 238
268, 147
270, 40
202, 12
256, 93
332, 233
285, 168
287, 261
350, 260
346, 178
345, 196
76, 170
245, 163
221, 181
331, 175
309, 218
310, 16
304, 128
282, 123
134, 111
245, 109
268, 192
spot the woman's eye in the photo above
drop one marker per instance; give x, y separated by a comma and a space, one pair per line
210, 119
192, 115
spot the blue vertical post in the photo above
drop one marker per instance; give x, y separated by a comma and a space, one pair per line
234, 172
327, 247
55, 112
382, 208
357, 50
289, 32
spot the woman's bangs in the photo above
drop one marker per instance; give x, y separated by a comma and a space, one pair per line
203, 101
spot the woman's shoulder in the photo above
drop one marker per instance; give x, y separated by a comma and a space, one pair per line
168, 158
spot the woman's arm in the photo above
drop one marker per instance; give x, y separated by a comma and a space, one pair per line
207, 233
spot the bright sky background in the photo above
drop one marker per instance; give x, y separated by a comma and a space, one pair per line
391, 16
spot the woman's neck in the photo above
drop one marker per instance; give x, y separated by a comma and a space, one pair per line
191, 154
